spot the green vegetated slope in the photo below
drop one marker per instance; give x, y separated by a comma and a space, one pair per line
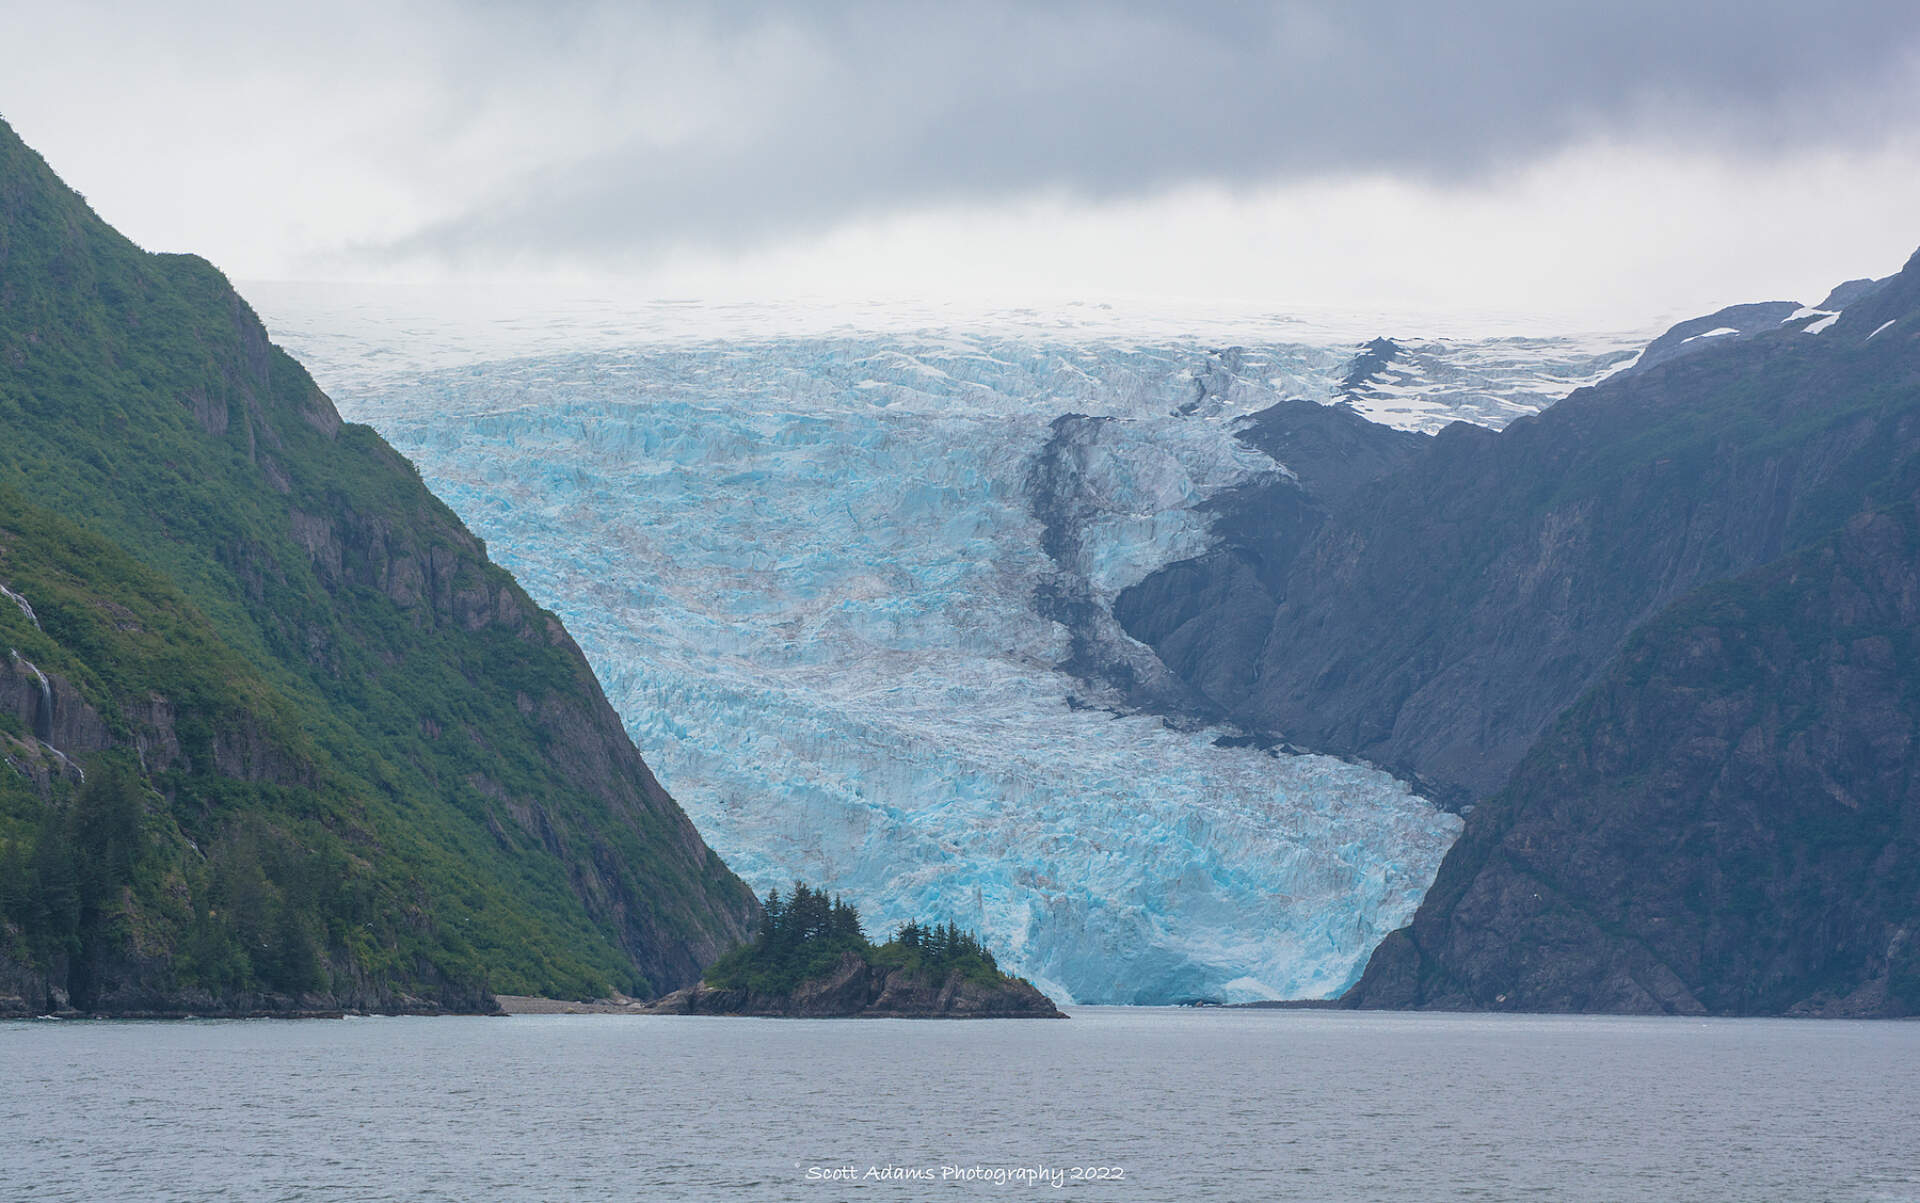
366, 769
805, 934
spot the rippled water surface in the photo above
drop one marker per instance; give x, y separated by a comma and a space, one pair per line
1186, 1105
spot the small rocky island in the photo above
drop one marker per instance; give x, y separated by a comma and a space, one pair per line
811, 959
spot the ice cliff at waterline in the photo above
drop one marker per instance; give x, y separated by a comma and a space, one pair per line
815, 576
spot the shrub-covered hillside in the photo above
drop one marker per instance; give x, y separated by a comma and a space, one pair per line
277, 734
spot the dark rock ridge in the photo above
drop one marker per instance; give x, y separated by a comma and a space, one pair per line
1737, 322
1208, 618
1330, 451
1369, 362
1436, 620
1849, 291
1099, 652
856, 989
1723, 821
366, 770
1728, 823
1731, 324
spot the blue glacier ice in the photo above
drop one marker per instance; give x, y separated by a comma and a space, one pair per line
805, 569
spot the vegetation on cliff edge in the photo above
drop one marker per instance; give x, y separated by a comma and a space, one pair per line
806, 934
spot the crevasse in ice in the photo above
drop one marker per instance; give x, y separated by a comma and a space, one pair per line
805, 568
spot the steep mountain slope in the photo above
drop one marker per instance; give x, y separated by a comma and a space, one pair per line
1209, 617
1437, 620
1729, 823
321, 697
1736, 322
1664, 634
1731, 324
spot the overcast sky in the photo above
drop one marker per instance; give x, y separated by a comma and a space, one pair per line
1594, 162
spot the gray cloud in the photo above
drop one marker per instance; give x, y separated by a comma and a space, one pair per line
860, 109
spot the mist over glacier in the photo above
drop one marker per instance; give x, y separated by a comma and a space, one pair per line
807, 568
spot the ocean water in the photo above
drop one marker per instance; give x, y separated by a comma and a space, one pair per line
1149, 1104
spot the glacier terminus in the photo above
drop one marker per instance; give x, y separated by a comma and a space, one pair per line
809, 567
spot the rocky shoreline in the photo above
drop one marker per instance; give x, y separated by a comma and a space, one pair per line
28, 994
533, 1004
856, 989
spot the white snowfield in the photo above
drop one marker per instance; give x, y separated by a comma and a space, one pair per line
804, 567
1720, 332
1489, 382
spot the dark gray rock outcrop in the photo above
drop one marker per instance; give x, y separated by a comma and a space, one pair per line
1729, 823
1437, 619
856, 989
1731, 324
1658, 644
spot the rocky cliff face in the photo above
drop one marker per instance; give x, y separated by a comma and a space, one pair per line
856, 989
1209, 618
1437, 620
1661, 634
299, 653
1728, 823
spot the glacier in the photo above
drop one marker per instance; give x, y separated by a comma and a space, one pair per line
806, 567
